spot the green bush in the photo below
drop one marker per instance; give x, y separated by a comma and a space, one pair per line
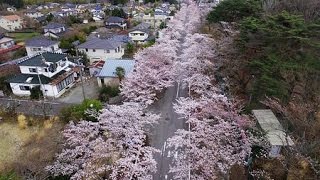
234, 10
107, 92
36, 93
9, 176
78, 112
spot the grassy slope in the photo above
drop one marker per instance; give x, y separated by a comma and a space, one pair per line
22, 37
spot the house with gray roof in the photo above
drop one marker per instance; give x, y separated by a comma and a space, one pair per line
116, 22
140, 33
54, 30
53, 72
101, 49
108, 73
41, 44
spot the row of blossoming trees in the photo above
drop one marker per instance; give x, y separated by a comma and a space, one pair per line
116, 147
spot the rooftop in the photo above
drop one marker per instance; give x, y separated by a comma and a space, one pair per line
115, 19
54, 26
40, 41
109, 68
5, 39
97, 43
40, 59
270, 124
34, 79
12, 17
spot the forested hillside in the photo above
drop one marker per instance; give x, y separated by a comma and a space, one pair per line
273, 61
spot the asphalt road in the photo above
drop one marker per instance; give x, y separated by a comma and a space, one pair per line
168, 125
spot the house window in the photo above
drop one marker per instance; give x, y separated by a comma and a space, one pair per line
24, 88
93, 50
86, 49
141, 34
108, 51
64, 83
33, 70
45, 69
36, 49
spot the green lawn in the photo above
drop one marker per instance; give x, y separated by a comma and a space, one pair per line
21, 37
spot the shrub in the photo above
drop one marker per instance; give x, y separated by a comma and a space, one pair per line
36, 93
22, 121
78, 112
107, 92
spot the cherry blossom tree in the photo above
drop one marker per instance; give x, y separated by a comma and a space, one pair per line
115, 147
216, 139
153, 73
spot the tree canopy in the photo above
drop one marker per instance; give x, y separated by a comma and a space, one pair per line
234, 10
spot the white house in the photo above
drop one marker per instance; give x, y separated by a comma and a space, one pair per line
41, 44
11, 9
140, 33
101, 49
275, 133
156, 19
6, 43
33, 14
116, 22
11, 22
55, 30
53, 72
108, 76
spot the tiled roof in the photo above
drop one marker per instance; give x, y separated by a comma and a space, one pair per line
114, 19
40, 42
11, 17
53, 26
143, 27
34, 79
5, 39
109, 68
96, 43
22, 78
38, 61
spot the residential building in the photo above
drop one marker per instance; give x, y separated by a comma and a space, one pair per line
53, 72
6, 42
116, 22
95, 67
156, 19
275, 133
11, 22
108, 73
11, 9
54, 30
33, 13
101, 49
140, 33
41, 44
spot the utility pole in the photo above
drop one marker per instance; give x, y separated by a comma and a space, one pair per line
81, 66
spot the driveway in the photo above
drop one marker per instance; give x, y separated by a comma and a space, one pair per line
75, 96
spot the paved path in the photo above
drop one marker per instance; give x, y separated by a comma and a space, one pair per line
169, 123
75, 95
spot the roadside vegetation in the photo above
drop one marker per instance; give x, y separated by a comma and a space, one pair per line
273, 62
27, 145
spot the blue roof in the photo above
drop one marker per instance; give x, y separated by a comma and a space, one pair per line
109, 67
